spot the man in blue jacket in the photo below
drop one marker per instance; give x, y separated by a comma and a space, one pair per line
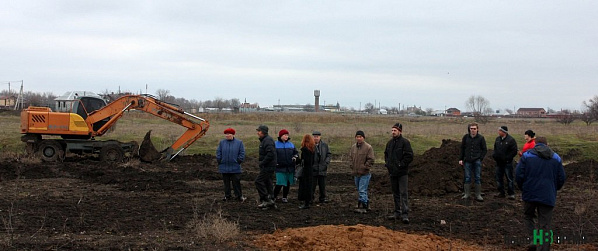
230, 154
540, 174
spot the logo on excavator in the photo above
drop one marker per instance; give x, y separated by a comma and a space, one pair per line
58, 127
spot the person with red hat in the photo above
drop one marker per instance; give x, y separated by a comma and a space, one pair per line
229, 155
285, 169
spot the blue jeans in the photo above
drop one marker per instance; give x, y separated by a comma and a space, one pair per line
477, 169
362, 183
501, 171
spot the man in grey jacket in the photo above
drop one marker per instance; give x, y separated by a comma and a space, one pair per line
320, 166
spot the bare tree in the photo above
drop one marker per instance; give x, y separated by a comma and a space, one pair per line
477, 104
162, 94
480, 107
587, 118
566, 117
369, 108
592, 108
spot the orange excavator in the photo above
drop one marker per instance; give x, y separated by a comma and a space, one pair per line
91, 117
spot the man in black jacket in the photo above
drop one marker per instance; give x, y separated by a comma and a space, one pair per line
473, 151
397, 156
267, 162
505, 149
320, 167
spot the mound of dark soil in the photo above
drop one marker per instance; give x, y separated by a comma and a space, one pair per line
437, 172
586, 170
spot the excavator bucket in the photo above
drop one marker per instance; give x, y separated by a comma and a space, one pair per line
147, 151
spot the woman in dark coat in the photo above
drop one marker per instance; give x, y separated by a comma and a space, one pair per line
305, 181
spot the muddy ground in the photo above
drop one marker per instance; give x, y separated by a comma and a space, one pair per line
84, 204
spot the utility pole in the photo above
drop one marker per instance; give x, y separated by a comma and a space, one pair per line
20, 97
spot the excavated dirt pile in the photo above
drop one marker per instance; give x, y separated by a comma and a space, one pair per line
437, 172
358, 237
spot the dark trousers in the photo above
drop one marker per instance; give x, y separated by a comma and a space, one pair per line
320, 181
399, 185
501, 171
285, 190
544, 221
235, 179
263, 183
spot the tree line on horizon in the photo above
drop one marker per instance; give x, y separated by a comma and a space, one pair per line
478, 105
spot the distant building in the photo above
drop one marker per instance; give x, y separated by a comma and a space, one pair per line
65, 102
438, 113
531, 112
7, 102
247, 107
453, 112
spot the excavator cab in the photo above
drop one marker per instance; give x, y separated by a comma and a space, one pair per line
86, 105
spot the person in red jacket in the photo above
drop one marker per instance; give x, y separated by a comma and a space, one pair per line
530, 141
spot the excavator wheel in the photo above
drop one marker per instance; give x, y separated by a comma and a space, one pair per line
112, 153
50, 151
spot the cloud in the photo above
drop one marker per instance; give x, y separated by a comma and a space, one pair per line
430, 54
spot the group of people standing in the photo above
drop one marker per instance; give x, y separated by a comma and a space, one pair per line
539, 173
281, 159
398, 154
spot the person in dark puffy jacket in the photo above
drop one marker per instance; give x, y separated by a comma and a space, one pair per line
505, 149
397, 157
267, 164
286, 155
473, 151
229, 155
539, 175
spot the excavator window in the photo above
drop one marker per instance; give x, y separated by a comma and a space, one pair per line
87, 105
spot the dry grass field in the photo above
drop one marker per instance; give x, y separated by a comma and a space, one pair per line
337, 129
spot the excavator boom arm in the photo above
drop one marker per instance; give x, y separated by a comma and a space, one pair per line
116, 109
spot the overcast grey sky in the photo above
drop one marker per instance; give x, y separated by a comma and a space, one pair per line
433, 54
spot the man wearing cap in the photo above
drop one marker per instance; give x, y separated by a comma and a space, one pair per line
473, 151
505, 149
267, 163
362, 159
320, 166
229, 155
397, 156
